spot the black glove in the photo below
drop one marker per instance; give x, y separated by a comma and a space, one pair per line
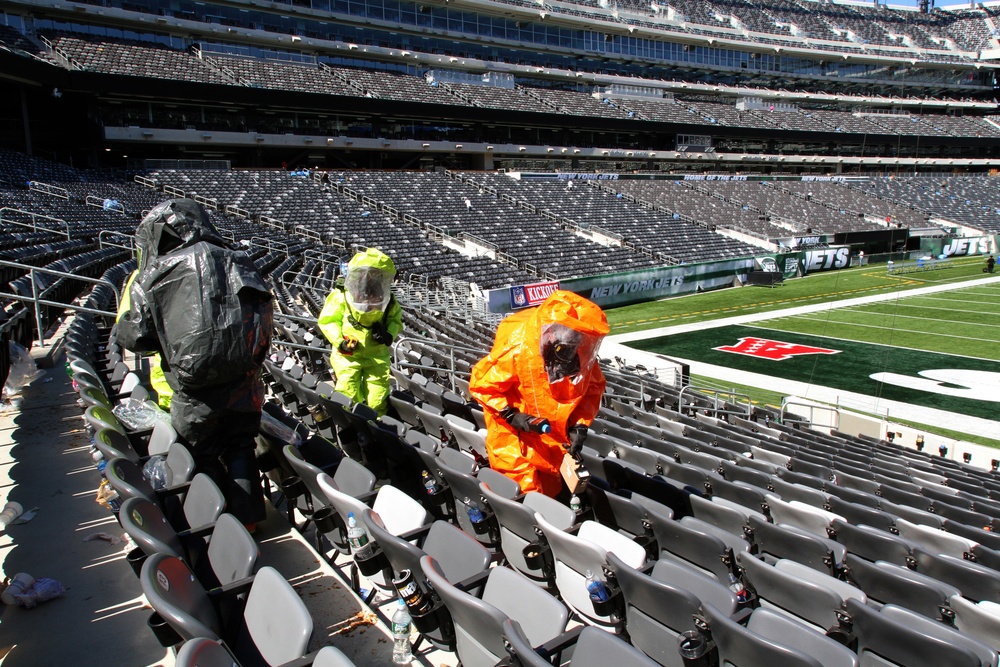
381, 334
522, 421
577, 435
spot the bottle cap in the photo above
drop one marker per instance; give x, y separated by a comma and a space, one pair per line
546, 428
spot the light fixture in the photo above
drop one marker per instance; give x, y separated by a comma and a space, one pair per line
206, 137
522, 148
147, 133
458, 146
426, 145
489, 148
967, 457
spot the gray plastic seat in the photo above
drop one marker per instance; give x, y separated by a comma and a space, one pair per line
893, 584
331, 656
658, 610
115, 444
872, 544
465, 487
478, 621
593, 648
887, 640
740, 647
722, 513
275, 624
979, 621
935, 540
798, 514
351, 478
976, 582
809, 599
517, 525
587, 551
203, 652
776, 542
685, 542
459, 556
793, 634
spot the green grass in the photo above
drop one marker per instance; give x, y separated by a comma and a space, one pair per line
815, 288
964, 322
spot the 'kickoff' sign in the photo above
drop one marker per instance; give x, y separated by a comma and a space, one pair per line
522, 296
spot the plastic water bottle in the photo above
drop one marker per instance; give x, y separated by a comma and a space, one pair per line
596, 588
357, 537
574, 503
430, 483
402, 653
475, 514
737, 587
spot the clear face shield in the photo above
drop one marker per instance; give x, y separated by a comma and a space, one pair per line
368, 288
568, 354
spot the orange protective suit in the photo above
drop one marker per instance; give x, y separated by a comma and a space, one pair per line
515, 375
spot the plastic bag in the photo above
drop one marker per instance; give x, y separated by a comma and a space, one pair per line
42, 590
157, 472
139, 415
276, 430
23, 370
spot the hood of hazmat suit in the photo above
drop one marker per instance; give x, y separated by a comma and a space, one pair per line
544, 363
205, 308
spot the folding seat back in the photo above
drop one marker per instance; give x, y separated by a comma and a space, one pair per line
276, 620
232, 551
704, 551
126, 478
517, 525
976, 582
782, 629
804, 599
479, 621
593, 648
872, 544
979, 621
774, 542
161, 438
893, 584
935, 540
576, 555
740, 647
114, 444
149, 529
203, 502
857, 514
656, 612
331, 656
885, 640
204, 652
459, 557
795, 513
178, 598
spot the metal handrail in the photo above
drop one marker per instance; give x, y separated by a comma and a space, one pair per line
835, 412
713, 395
104, 233
34, 224
36, 299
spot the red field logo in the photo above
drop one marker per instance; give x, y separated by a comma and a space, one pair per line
775, 350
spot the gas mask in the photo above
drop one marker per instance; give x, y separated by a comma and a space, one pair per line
368, 288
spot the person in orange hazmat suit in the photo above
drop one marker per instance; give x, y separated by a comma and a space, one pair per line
543, 366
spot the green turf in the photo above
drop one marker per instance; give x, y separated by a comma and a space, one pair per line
816, 288
963, 324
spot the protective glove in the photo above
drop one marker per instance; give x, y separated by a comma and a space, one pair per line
577, 434
347, 346
522, 421
381, 334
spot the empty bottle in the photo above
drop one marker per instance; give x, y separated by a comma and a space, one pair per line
475, 514
430, 482
357, 537
402, 653
596, 588
539, 425
737, 587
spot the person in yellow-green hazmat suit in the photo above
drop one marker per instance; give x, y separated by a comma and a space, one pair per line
361, 319
543, 366
157, 379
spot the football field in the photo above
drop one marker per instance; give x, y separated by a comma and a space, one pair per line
939, 350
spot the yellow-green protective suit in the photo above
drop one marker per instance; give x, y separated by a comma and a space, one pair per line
350, 313
164, 394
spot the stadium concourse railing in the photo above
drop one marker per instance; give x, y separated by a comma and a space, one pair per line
37, 298
732, 403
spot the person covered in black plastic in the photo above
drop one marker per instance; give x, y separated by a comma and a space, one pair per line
208, 313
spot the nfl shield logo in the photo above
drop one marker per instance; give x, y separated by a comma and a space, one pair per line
518, 299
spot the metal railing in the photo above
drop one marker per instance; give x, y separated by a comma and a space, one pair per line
37, 296
127, 244
35, 217
813, 409
740, 402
